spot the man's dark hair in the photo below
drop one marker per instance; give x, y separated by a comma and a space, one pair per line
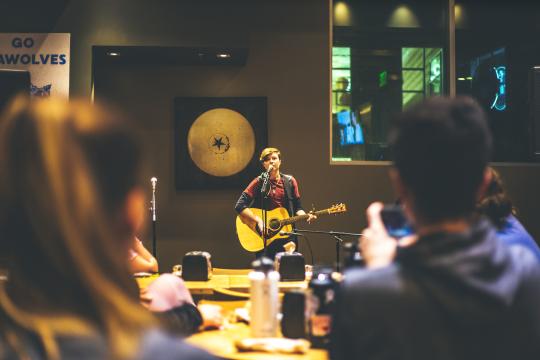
440, 149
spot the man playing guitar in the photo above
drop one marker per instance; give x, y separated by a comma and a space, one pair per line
282, 192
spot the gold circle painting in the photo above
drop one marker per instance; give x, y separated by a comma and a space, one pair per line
221, 142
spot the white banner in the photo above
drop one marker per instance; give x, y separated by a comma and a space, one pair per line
46, 56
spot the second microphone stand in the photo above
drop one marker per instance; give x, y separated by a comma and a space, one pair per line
337, 235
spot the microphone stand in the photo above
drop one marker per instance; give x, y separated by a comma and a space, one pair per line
336, 235
265, 176
153, 210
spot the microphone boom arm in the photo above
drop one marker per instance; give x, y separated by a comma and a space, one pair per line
333, 233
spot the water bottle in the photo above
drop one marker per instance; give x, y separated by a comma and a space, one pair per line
321, 300
293, 321
264, 298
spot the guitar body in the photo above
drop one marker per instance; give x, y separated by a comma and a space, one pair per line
251, 240
276, 220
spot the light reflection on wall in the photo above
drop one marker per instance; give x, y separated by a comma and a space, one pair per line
460, 14
403, 17
342, 14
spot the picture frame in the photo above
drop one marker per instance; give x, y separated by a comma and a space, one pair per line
217, 141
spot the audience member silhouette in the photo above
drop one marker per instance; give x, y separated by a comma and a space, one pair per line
457, 292
498, 207
69, 194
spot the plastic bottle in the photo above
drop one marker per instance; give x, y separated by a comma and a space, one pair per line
321, 301
264, 290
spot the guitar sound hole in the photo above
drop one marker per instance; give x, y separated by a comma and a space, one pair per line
274, 224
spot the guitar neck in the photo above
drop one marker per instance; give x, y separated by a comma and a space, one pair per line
297, 218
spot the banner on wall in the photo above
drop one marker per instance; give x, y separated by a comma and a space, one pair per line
45, 56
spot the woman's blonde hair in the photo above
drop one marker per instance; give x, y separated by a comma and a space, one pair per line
65, 169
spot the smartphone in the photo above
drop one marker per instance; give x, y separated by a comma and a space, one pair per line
395, 222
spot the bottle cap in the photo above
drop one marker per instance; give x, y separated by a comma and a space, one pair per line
322, 276
263, 264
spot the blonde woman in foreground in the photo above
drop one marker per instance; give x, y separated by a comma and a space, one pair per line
69, 194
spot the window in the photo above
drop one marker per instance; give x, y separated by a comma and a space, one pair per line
385, 58
421, 74
391, 55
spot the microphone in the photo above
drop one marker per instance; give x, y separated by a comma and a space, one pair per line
287, 233
266, 173
154, 182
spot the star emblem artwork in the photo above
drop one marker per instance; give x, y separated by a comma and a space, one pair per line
219, 143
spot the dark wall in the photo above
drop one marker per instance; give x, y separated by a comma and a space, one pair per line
288, 62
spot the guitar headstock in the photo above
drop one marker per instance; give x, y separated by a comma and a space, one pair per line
338, 208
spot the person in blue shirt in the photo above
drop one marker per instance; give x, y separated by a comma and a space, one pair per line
498, 207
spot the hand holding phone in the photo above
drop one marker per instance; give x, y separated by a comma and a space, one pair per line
395, 222
377, 247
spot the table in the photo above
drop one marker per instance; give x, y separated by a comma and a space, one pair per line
233, 284
221, 343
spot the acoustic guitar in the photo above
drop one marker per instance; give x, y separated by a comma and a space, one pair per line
276, 220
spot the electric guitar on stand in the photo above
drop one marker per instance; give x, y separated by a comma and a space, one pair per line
277, 220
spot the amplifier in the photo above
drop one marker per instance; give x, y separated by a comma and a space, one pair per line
196, 266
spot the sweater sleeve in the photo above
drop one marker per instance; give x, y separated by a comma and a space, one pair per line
246, 198
244, 201
297, 204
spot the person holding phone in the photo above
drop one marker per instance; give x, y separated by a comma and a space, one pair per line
457, 292
380, 251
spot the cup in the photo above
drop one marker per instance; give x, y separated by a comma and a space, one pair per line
177, 270
309, 271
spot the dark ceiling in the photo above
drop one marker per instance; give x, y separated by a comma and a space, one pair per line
30, 15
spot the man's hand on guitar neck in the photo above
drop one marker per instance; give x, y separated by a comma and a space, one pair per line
311, 215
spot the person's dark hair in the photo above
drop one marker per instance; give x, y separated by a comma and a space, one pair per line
496, 204
440, 149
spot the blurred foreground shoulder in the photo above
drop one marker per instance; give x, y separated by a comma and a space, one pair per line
384, 279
